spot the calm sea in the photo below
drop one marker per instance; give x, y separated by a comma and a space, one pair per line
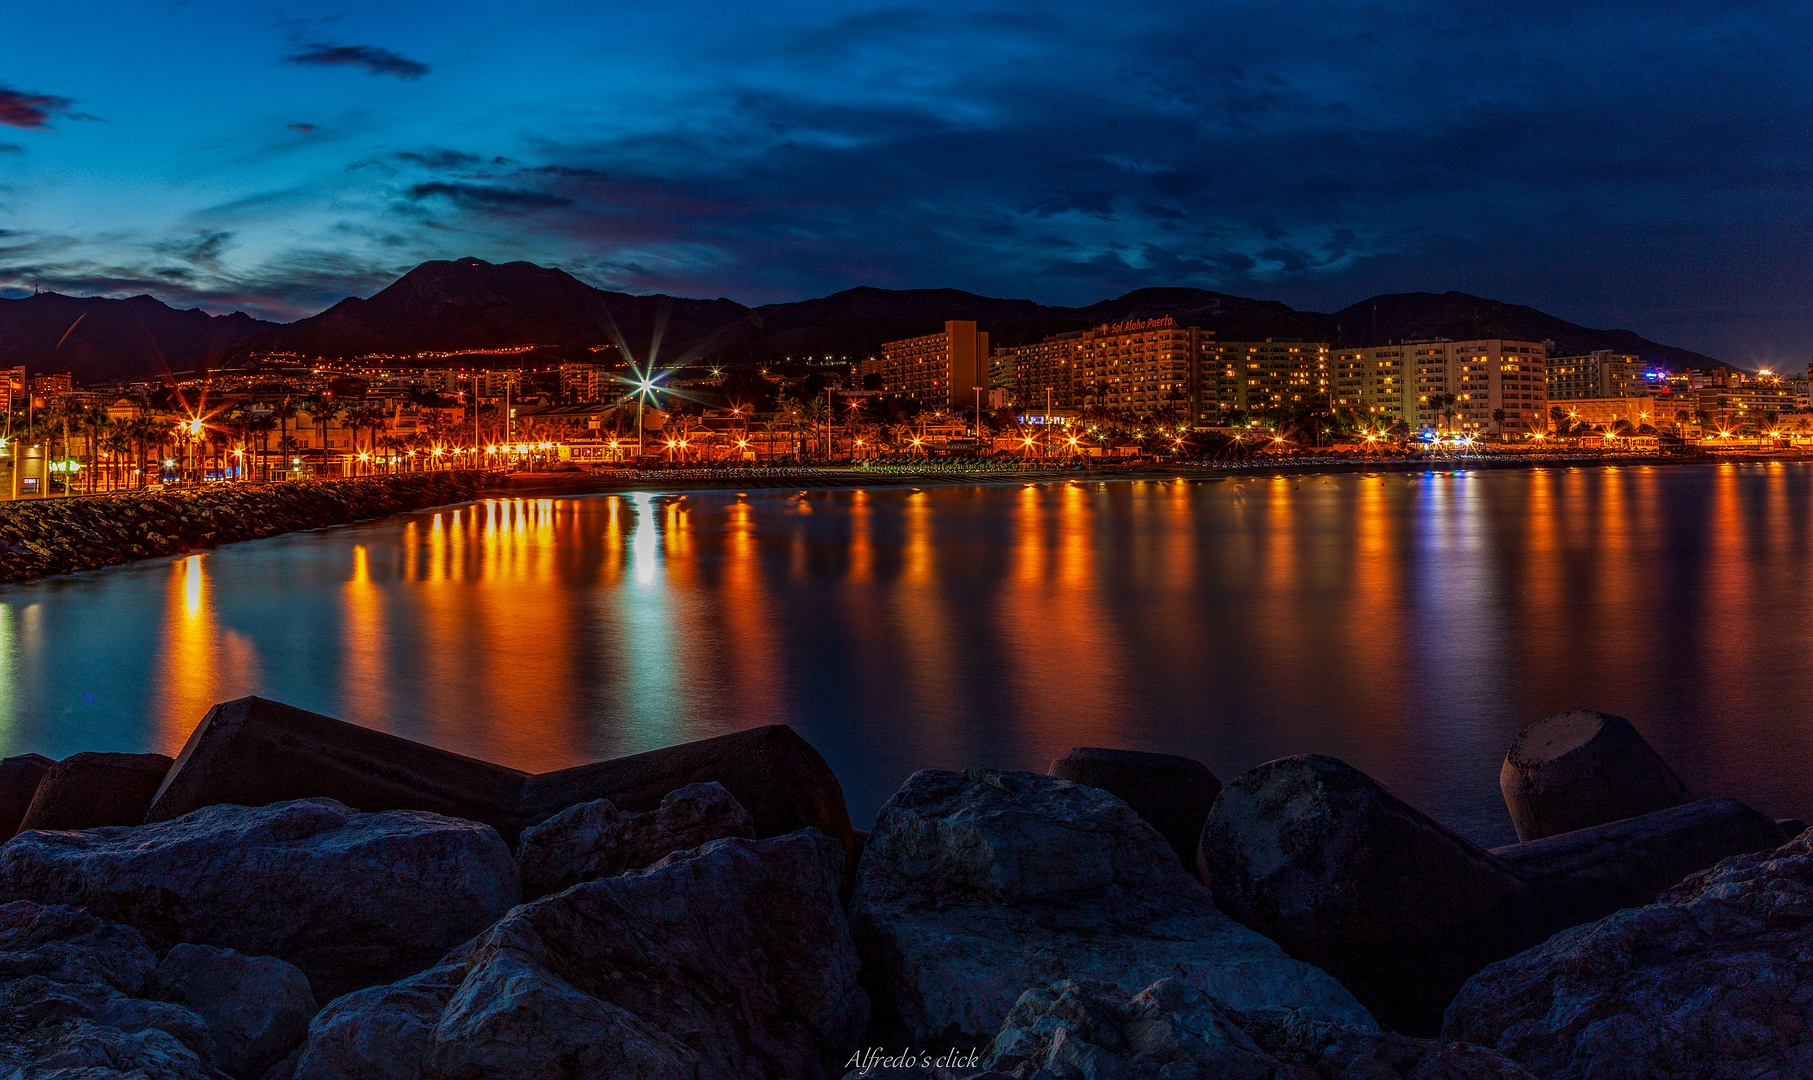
1407, 623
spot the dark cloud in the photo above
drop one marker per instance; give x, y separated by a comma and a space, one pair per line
303, 129
488, 196
440, 159
11, 148
21, 109
373, 59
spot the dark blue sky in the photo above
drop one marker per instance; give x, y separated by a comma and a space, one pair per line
1643, 164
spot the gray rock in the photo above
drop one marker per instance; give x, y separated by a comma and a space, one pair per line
381, 1032
595, 839
977, 886
1714, 981
1589, 873
352, 899
256, 1008
88, 791
68, 1001
1171, 793
1580, 769
729, 961
1171, 1031
19, 778
1319, 857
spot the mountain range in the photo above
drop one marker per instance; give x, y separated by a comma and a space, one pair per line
445, 306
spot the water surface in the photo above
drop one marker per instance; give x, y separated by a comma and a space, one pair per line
1408, 623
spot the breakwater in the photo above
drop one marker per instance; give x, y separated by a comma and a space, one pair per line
43, 537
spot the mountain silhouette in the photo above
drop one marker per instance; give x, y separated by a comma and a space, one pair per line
459, 304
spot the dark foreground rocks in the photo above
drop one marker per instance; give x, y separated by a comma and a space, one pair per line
39, 537
1580, 769
73, 1002
1589, 873
352, 899
1171, 1031
87, 791
1171, 793
256, 1008
975, 887
19, 778
254, 752
595, 839
1319, 857
732, 961
1714, 981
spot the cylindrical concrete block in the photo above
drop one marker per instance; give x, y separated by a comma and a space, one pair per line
1580, 769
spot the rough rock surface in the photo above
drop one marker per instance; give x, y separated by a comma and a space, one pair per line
1580, 769
19, 778
88, 791
730, 961
977, 886
774, 773
1589, 873
595, 839
1169, 1031
257, 1008
69, 1004
1714, 981
1171, 793
1319, 857
352, 899
61, 536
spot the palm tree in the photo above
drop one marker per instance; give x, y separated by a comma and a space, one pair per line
117, 443
322, 409
283, 412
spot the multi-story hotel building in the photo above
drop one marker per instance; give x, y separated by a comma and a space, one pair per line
1277, 373
1455, 385
1598, 374
1143, 366
943, 370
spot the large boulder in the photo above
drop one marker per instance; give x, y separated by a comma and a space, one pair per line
1711, 982
88, 791
1171, 1031
977, 886
595, 839
19, 778
352, 899
71, 1002
731, 961
1587, 874
1171, 793
777, 776
1579, 769
256, 1008
254, 752
1319, 857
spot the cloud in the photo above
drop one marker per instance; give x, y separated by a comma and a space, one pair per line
488, 196
304, 129
20, 109
373, 59
11, 148
440, 159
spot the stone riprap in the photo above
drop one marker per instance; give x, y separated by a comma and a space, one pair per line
42, 537
595, 839
1171, 793
977, 886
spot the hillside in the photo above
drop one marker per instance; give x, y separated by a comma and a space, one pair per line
472, 304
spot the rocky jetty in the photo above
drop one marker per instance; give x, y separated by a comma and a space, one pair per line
42, 537
296, 898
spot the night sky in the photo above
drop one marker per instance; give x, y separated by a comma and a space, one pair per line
1643, 164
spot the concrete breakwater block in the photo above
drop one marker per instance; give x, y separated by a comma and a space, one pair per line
1319, 857
1587, 874
1170, 793
19, 778
89, 791
254, 752
1580, 769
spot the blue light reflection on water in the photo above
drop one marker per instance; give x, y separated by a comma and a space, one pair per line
1407, 623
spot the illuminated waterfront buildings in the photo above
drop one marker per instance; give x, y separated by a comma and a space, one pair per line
937, 370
